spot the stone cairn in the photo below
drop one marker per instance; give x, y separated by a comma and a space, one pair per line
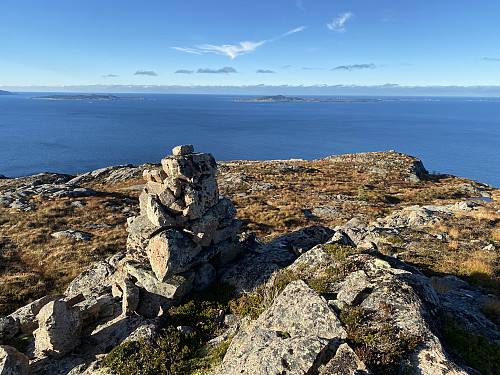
183, 225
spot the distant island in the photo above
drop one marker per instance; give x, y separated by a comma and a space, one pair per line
85, 97
2, 92
281, 98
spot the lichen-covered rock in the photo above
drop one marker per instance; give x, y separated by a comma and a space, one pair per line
300, 311
170, 252
59, 329
294, 336
95, 280
12, 362
260, 351
140, 230
154, 175
158, 215
73, 234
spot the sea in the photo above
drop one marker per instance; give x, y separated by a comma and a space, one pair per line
458, 136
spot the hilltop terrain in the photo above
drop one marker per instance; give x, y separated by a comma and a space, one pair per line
2, 92
390, 269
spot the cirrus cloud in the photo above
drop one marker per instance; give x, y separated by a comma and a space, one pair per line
265, 71
338, 23
234, 50
184, 71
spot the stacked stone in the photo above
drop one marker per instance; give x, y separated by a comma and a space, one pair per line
182, 216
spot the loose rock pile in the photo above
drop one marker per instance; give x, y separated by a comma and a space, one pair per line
182, 219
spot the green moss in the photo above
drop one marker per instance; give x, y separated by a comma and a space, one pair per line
476, 351
175, 353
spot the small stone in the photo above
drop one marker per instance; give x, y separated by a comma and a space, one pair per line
183, 150
185, 330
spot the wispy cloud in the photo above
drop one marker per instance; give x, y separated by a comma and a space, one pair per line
184, 71
265, 71
226, 69
233, 50
286, 67
338, 23
109, 76
355, 66
494, 59
145, 73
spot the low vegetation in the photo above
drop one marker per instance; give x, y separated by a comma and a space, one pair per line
175, 352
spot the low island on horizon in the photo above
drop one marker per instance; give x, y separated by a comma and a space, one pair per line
282, 98
85, 97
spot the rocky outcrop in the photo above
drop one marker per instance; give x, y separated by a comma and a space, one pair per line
294, 336
332, 304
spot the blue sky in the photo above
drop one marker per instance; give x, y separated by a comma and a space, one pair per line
238, 43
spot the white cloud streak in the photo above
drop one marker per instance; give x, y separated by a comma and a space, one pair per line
338, 23
233, 50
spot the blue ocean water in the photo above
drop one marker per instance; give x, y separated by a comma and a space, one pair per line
456, 136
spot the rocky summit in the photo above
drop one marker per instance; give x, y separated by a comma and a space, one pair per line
192, 291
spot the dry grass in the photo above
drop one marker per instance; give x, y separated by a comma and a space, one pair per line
33, 264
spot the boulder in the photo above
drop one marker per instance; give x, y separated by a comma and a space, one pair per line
294, 336
173, 287
94, 281
59, 329
200, 197
12, 362
158, 215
